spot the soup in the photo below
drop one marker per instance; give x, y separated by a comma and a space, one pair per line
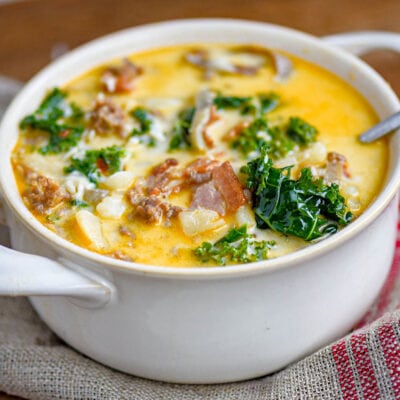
199, 155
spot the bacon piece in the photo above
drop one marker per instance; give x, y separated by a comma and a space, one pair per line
42, 192
236, 131
227, 183
207, 196
107, 117
120, 79
213, 118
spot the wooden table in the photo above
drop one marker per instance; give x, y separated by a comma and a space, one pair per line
31, 31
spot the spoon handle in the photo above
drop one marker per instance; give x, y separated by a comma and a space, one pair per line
383, 128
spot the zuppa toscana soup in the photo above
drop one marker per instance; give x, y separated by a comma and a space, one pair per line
199, 155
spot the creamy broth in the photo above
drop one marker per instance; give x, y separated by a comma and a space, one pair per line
121, 208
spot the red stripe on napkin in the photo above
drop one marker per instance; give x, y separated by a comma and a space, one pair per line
346, 378
391, 351
364, 366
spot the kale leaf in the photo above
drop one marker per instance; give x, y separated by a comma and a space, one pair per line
180, 132
144, 119
301, 131
258, 106
96, 163
236, 246
145, 122
58, 118
231, 102
252, 138
305, 208
278, 141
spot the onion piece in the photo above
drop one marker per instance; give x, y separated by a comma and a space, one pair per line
246, 60
283, 66
202, 115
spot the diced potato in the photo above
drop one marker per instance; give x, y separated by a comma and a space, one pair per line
120, 180
111, 207
245, 216
90, 227
197, 221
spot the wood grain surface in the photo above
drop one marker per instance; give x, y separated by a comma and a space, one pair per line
32, 31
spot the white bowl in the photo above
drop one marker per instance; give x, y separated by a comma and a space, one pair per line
200, 325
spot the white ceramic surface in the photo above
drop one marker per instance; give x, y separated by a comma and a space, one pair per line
202, 325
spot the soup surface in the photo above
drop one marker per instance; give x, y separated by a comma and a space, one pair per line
199, 155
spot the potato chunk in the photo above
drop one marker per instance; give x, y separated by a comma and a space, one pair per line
90, 227
198, 221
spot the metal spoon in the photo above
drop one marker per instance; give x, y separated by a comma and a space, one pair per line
381, 129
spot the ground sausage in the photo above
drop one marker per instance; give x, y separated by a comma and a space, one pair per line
107, 117
43, 193
151, 209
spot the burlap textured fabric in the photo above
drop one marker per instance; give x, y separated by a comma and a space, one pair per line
36, 365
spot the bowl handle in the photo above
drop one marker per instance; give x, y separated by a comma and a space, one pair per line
363, 42
24, 274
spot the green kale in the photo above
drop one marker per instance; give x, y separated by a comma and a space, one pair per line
145, 122
279, 142
144, 119
96, 163
252, 138
248, 105
58, 118
231, 102
236, 246
301, 131
305, 208
180, 132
